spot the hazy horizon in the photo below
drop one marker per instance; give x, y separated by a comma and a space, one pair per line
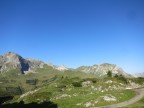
75, 33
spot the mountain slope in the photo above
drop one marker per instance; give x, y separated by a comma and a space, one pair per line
12, 60
102, 69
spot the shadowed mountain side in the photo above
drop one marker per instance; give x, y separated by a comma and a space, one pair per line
21, 104
12, 60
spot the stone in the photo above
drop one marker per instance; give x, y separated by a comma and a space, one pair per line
78, 104
62, 96
87, 104
109, 81
109, 97
86, 83
92, 87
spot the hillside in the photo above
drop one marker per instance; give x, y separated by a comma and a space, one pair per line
11, 60
102, 69
33, 81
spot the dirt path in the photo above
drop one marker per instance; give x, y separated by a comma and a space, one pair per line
139, 95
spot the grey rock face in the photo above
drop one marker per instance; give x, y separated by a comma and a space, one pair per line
102, 69
14, 61
61, 68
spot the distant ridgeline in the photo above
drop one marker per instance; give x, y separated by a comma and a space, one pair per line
12, 61
34, 83
19, 75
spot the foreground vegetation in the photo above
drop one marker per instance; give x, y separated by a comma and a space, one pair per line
68, 89
69, 92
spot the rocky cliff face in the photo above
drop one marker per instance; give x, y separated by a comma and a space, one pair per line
14, 61
102, 69
61, 68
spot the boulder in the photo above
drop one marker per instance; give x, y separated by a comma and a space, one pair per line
86, 83
109, 98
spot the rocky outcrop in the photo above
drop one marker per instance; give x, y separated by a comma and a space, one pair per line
14, 61
109, 97
62, 96
61, 68
91, 103
86, 83
102, 69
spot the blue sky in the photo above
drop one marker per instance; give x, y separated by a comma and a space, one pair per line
75, 32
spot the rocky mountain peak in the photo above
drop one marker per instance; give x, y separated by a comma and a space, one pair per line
11, 54
12, 60
102, 69
11, 57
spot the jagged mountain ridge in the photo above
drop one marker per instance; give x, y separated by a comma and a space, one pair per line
102, 69
12, 60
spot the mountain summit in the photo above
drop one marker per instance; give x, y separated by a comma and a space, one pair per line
12, 60
102, 69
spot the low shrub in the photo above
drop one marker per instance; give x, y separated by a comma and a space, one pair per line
94, 80
77, 84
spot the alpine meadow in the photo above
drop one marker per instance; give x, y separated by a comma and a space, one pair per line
71, 54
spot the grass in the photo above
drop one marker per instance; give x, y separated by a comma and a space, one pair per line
85, 96
78, 94
82, 97
54, 83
